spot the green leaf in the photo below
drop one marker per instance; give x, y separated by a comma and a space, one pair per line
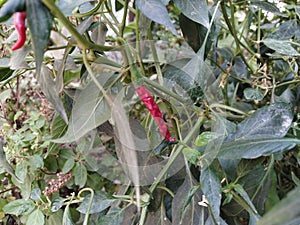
21, 170
35, 194
67, 6
101, 201
19, 207
196, 10
4, 163
254, 148
55, 219
281, 46
268, 6
36, 218
156, 11
286, 212
58, 129
268, 122
254, 94
39, 21
113, 217
254, 216
49, 88
67, 218
35, 162
80, 175
69, 164
211, 187
192, 155
204, 138
57, 204
10, 7
90, 110
177, 79
183, 213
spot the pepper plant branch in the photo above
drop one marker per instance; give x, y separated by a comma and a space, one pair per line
173, 157
176, 153
138, 44
233, 33
123, 23
81, 41
156, 59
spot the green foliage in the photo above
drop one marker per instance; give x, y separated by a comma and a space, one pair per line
80, 147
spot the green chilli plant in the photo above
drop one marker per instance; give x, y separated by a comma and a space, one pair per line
126, 112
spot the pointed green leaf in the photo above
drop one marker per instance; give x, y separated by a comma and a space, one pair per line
57, 204
19, 207
113, 217
36, 218
281, 46
69, 164
80, 174
35, 194
35, 162
55, 218
196, 10
21, 170
287, 212
250, 149
101, 201
268, 122
183, 213
253, 94
67, 218
49, 89
268, 6
156, 11
58, 129
90, 110
39, 21
211, 187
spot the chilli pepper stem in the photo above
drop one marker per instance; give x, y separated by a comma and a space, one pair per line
19, 22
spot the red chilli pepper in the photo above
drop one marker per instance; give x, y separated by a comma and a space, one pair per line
154, 110
19, 22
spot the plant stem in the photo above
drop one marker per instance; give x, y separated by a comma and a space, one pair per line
258, 31
173, 157
86, 217
123, 23
156, 59
176, 153
233, 33
138, 42
81, 42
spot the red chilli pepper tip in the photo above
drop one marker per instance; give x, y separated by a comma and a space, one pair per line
19, 22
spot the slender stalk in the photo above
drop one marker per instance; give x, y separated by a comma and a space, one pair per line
233, 33
258, 31
86, 217
156, 59
138, 42
81, 42
226, 107
176, 153
123, 23
173, 157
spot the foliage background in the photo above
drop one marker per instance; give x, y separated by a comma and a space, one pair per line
79, 147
